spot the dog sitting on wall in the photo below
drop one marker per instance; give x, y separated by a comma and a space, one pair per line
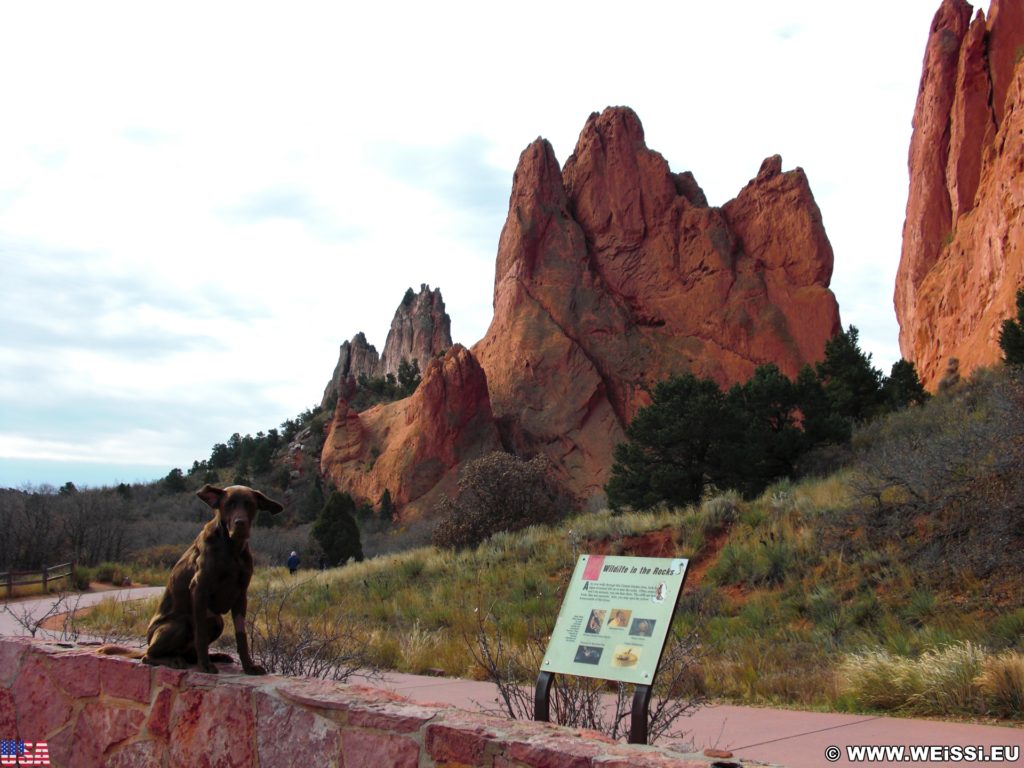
210, 579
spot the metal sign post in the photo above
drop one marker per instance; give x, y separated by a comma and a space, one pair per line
613, 625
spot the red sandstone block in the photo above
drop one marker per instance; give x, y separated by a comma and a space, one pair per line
126, 679
61, 745
98, 728
42, 707
158, 723
360, 749
559, 754
167, 677
77, 672
141, 754
397, 718
366, 708
11, 652
455, 744
8, 716
316, 693
641, 758
287, 734
212, 727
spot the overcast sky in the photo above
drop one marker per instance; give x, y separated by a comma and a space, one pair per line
199, 203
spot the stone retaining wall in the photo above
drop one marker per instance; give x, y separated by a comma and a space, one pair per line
108, 711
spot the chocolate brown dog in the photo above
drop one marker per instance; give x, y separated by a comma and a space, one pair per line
211, 578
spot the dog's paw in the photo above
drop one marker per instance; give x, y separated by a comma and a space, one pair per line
254, 669
208, 668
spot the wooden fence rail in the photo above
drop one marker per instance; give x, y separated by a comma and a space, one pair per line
14, 579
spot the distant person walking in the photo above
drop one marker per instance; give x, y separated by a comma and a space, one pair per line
293, 562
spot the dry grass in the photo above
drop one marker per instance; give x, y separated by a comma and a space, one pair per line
1002, 683
780, 604
962, 678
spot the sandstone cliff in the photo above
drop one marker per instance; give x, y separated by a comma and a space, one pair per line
962, 258
413, 447
614, 273
420, 330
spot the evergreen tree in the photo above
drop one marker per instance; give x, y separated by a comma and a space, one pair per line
771, 438
387, 507
312, 502
820, 424
175, 481
408, 377
903, 387
335, 530
852, 385
683, 439
1011, 335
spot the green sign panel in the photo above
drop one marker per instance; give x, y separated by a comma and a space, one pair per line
615, 617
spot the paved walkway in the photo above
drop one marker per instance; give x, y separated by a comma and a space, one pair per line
785, 737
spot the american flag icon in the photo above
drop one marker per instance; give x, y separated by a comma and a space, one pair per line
19, 753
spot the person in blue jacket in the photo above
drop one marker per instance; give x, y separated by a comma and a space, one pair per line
293, 562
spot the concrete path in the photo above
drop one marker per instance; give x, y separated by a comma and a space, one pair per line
784, 737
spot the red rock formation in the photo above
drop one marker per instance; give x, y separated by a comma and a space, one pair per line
962, 262
356, 358
613, 273
412, 447
420, 330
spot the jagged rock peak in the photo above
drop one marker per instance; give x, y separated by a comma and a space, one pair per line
421, 330
356, 358
962, 258
615, 274
414, 447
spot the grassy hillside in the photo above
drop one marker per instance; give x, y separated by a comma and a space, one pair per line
894, 583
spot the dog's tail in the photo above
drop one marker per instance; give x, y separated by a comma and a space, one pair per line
120, 650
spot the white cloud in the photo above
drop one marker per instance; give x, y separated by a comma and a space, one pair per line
200, 202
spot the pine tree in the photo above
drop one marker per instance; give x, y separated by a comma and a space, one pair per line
335, 530
1011, 335
676, 444
387, 507
903, 387
852, 385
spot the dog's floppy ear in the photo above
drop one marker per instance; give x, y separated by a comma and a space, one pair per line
262, 502
210, 495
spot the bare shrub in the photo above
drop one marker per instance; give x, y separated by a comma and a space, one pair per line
498, 492
582, 702
32, 622
286, 643
944, 478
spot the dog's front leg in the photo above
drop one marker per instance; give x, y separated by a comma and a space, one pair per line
200, 591
238, 611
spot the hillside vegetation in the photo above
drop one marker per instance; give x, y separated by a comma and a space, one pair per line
894, 583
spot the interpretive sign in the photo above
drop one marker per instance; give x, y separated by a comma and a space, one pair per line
615, 618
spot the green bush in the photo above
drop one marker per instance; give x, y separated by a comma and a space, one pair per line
498, 492
336, 532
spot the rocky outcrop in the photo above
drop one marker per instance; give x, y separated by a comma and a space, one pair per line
962, 259
420, 330
614, 273
356, 358
413, 447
